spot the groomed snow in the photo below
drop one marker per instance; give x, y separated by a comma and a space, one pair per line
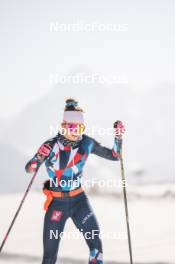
151, 220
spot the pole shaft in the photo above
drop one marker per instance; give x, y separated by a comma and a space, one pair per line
18, 210
126, 207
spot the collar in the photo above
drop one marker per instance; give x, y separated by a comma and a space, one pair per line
67, 142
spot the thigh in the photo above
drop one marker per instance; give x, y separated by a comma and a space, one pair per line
85, 220
54, 223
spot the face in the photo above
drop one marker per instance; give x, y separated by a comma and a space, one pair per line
72, 131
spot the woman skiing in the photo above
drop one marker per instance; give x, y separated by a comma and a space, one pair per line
65, 156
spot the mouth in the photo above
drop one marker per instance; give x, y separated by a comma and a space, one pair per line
75, 136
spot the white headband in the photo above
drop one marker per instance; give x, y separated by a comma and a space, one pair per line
73, 116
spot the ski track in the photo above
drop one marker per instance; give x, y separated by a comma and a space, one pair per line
20, 258
152, 231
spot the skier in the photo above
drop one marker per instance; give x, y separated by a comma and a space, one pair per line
64, 156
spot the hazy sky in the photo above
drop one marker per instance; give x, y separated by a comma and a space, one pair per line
29, 52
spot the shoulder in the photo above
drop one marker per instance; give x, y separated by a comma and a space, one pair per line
86, 138
90, 139
51, 141
89, 142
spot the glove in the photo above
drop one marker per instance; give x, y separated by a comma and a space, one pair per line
118, 144
119, 129
38, 159
40, 156
43, 152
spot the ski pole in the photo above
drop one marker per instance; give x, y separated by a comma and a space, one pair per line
126, 205
18, 210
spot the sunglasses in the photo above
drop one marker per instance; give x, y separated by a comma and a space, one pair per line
76, 127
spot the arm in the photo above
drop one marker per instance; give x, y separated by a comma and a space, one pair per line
40, 156
114, 153
107, 153
33, 164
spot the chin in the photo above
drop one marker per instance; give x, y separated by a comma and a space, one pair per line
74, 138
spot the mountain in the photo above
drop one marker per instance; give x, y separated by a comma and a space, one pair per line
148, 115
12, 172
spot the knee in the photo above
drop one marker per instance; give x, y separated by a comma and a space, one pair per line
96, 256
49, 258
95, 241
50, 254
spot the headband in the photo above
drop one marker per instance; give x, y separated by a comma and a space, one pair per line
73, 116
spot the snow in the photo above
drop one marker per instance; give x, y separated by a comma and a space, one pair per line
151, 222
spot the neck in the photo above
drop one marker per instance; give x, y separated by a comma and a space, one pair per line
66, 141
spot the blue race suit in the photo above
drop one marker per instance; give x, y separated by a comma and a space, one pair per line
65, 165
